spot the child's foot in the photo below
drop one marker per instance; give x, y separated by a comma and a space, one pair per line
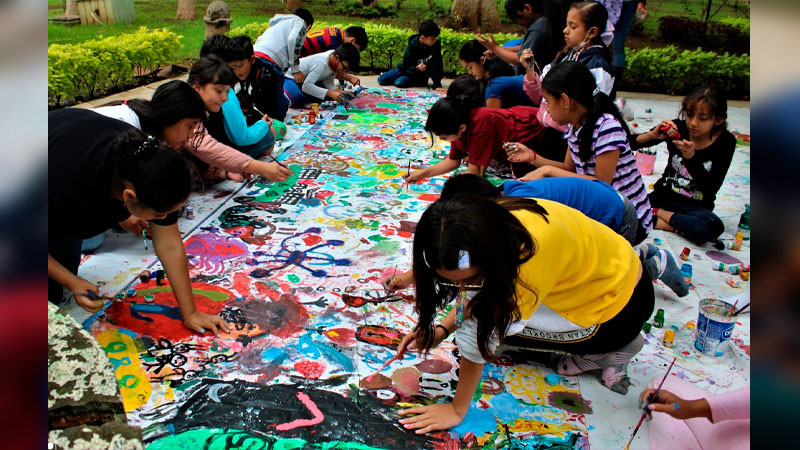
614, 365
662, 266
616, 378
646, 251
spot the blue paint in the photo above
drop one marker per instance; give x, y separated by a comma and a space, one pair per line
137, 309
478, 421
552, 379
315, 350
271, 354
310, 202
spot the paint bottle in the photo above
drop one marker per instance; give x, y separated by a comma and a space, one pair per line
718, 266
685, 254
160, 275
647, 327
734, 269
658, 320
734, 283
670, 131
144, 277
744, 223
312, 117
686, 272
120, 296
674, 328
745, 276
149, 298
669, 338
657, 241
691, 325
737, 241
189, 212
131, 292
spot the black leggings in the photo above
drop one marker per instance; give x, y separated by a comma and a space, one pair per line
604, 338
67, 251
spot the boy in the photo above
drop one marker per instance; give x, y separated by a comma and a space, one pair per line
279, 50
331, 38
422, 59
319, 71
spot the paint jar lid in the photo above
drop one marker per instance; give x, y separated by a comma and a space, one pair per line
647, 327
691, 325
149, 298
673, 327
660, 313
131, 291
669, 334
686, 268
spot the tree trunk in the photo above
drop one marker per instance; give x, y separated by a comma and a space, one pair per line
291, 5
72, 8
474, 15
186, 10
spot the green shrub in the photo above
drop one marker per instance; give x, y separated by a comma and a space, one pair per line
355, 8
387, 43
742, 23
94, 67
678, 71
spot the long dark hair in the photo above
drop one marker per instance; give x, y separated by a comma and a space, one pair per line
449, 113
593, 14
210, 69
468, 87
471, 51
170, 103
714, 98
158, 174
497, 243
576, 81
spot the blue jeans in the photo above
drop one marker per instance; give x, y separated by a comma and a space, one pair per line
398, 79
626, 16
695, 223
295, 94
276, 108
260, 147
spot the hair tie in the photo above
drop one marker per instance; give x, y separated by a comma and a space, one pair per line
595, 92
149, 144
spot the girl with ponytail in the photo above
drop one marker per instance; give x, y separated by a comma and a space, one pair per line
476, 132
103, 177
597, 137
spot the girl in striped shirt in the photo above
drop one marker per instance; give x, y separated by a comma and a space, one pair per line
597, 137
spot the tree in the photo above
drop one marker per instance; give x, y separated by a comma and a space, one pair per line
474, 15
186, 10
72, 8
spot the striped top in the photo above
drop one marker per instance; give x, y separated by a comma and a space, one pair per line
609, 135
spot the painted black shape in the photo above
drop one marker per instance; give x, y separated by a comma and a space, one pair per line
259, 409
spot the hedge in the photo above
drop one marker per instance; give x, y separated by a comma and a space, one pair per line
94, 67
678, 71
387, 43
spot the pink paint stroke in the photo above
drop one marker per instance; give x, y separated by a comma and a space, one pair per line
318, 417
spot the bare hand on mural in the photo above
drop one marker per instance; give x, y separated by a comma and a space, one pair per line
79, 288
413, 177
276, 172
202, 322
440, 416
399, 281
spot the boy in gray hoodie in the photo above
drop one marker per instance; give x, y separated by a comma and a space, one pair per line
279, 49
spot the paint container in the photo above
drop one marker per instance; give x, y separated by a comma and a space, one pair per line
674, 328
144, 277
734, 282
669, 339
670, 131
734, 269
149, 298
131, 292
719, 267
745, 267
657, 241
685, 254
690, 325
120, 296
189, 213
686, 272
745, 276
647, 327
714, 326
648, 110
737, 241
658, 320
160, 275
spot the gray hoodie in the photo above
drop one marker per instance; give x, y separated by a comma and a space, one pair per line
282, 41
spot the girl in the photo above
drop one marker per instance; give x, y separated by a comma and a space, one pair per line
597, 138
100, 178
510, 266
476, 132
683, 198
501, 88
212, 78
586, 22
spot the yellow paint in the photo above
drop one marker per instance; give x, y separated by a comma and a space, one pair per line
526, 426
333, 334
388, 130
134, 384
355, 275
408, 405
527, 384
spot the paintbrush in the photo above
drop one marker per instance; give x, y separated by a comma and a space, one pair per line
649, 400
740, 310
394, 274
408, 172
385, 365
94, 296
144, 238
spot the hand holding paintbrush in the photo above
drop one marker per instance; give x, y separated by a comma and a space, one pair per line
648, 398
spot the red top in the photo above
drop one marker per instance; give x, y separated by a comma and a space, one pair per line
489, 128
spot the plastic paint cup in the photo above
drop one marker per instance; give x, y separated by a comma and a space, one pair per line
645, 163
686, 272
714, 326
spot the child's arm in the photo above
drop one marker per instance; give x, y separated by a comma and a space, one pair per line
650, 138
532, 83
297, 35
170, 250
217, 154
505, 54
236, 124
709, 181
312, 77
61, 275
442, 167
476, 170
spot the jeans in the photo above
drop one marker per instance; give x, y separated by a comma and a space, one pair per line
696, 223
627, 228
278, 104
626, 17
260, 147
67, 251
294, 93
398, 79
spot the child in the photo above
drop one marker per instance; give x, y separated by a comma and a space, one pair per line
212, 79
539, 38
278, 48
472, 55
230, 126
478, 133
683, 198
597, 138
697, 419
586, 22
319, 72
331, 38
512, 269
466, 86
100, 178
422, 59
503, 89
594, 198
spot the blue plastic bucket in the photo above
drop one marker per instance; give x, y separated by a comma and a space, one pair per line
714, 326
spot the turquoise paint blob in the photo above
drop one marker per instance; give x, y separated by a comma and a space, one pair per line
478, 421
315, 350
552, 379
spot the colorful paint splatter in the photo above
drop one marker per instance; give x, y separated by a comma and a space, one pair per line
296, 269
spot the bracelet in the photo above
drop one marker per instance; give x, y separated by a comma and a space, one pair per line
446, 331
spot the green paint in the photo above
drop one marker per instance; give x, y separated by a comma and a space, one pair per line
276, 189
211, 295
388, 247
377, 238
369, 118
393, 106
218, 439
294, 278
355, 223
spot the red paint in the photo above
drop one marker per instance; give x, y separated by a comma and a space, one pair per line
312, 239
311, 370
241, 284
746, 349
265, 291
341, 336
482, 404
685, 353
429, 197
379, 335
404, 234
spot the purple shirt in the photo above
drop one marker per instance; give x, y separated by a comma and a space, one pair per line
609, 135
